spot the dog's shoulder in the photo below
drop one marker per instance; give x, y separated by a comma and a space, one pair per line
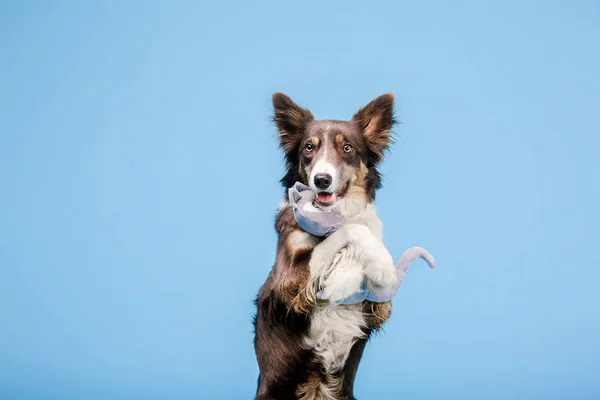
284, 219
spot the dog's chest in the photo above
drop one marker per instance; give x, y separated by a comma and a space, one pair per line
333, 333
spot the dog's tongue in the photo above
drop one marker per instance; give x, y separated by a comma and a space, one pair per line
325, 198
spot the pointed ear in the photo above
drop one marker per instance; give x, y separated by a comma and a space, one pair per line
296, 197
291, 120
376, 120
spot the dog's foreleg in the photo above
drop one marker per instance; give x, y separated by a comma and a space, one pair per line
374, 256
333, 269
342, 277
339, 263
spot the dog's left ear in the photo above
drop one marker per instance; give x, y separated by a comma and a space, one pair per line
376, 120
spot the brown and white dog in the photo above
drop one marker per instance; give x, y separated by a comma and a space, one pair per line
305, 350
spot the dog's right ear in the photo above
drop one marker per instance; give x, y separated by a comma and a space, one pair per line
291, 120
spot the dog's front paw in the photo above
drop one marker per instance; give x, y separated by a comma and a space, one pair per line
380, 270
344, 281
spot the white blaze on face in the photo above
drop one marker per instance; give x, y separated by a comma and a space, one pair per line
324, 165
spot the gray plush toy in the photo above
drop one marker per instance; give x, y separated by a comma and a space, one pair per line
320, 222
309, 216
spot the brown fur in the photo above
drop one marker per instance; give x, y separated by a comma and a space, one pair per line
285, 302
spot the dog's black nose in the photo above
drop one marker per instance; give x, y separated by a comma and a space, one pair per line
322, 181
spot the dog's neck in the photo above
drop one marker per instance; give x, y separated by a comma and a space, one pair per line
357, 210
353, 204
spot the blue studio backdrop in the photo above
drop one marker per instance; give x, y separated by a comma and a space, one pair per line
129, 261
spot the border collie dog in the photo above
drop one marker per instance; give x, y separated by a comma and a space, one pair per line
305, 348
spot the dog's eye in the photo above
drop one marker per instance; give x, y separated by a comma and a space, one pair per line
348, 148
309, 147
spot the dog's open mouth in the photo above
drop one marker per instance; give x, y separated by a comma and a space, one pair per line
325, 199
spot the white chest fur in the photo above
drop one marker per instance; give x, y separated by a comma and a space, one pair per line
336, 266
333, 332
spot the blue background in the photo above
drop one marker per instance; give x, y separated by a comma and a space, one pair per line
139, 182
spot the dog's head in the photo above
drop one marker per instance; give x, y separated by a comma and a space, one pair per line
334, 157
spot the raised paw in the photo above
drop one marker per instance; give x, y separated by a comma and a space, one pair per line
345, 280
380, 269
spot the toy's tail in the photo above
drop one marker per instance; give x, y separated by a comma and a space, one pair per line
379, 294
411, 255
